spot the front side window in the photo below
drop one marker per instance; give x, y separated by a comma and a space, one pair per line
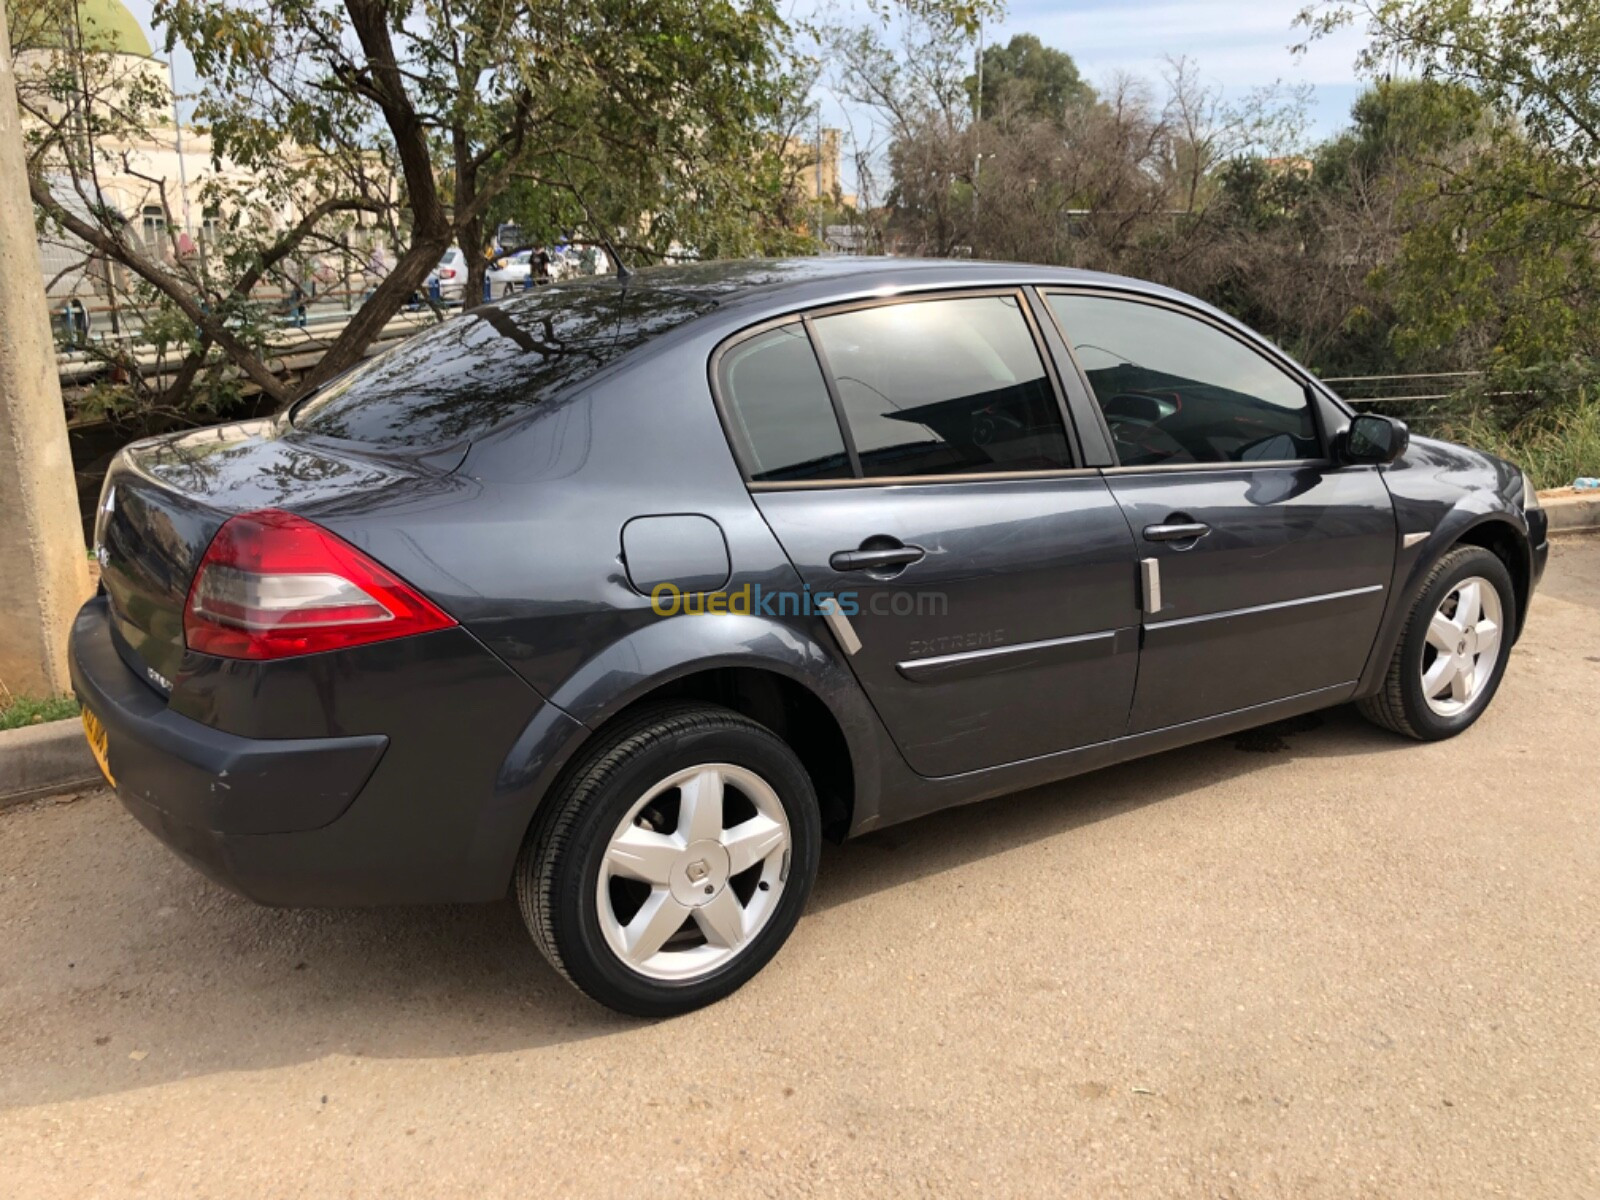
944, 387
1175, 389
779, 411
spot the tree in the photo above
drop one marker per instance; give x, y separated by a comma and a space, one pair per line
1398, 125
646, 123
1498, 258
907, 67
1027, 78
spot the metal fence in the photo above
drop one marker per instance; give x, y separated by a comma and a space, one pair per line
1414, 392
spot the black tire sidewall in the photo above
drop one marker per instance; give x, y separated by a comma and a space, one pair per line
574, 879
1430, 725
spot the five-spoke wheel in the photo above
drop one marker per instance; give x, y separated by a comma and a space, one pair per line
672, 861
1463, 646
693, 871
1453, 651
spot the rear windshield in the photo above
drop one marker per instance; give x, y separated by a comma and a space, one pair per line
476, 370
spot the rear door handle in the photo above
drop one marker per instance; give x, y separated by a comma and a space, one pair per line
1182, 532
875, 560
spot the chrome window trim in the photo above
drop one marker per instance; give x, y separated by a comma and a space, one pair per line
811, 485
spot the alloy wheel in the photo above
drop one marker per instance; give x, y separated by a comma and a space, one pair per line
694, 871
1463, 646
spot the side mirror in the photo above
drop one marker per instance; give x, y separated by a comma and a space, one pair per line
1374, 438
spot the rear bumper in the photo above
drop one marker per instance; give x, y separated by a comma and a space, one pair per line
433, 811
199, 789
204, 777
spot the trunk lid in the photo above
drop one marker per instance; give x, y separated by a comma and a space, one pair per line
164, 500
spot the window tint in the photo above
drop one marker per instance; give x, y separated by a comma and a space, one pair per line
467, 375
779, 408
944, 387
1177, 390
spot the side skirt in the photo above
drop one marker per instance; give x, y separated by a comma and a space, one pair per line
907, 796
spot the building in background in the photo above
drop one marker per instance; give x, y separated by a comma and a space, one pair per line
156, 177
814, 168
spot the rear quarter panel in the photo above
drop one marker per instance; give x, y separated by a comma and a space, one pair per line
526, 552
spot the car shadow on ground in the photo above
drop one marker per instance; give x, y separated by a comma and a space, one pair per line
955, 837
182, 979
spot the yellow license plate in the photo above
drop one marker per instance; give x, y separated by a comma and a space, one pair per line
96, 733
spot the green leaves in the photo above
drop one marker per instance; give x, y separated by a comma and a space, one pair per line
410, 124
1026, 77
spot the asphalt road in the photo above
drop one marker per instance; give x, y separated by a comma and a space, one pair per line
1312, 961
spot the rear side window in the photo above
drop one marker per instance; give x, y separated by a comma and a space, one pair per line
779, 411
944, 387
1176, 389
474, 371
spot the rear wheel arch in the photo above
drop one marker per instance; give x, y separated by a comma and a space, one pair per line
786, 706
792, 711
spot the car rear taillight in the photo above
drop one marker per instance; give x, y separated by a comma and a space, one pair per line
273, 585
447, 273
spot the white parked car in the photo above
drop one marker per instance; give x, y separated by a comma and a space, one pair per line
510, 274
450, 274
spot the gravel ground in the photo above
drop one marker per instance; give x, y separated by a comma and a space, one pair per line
1315, 961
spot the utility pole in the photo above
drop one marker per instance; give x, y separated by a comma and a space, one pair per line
977, 123
44, 574
177, 134
822, 237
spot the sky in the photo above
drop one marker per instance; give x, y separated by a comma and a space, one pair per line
1238, 46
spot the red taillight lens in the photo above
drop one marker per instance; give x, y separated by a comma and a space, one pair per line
273, 585
447, 273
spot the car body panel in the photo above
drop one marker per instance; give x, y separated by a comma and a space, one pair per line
351, 777
165, 498
907, 796
1282, 596
1026, 589
197, 774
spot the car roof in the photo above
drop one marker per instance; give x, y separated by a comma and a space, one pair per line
754, 289
734, 279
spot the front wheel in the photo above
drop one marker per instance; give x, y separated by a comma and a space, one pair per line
1454, 649
673, 862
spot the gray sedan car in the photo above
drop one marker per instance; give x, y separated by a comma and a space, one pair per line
619, 597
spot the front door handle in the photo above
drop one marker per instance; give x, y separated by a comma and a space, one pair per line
1186, 531
875, 560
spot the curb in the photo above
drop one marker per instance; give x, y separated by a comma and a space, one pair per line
1571, 511
45, 760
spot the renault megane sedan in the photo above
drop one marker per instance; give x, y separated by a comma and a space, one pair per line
619, 597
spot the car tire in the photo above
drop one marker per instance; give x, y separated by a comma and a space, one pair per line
1405, 702
596, 922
